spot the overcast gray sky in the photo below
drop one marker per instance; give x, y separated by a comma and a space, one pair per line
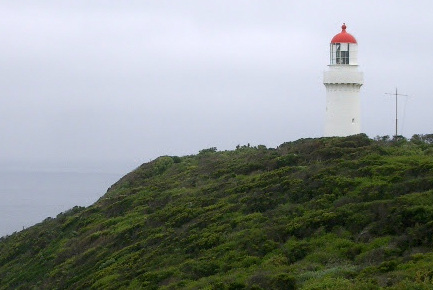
124, 82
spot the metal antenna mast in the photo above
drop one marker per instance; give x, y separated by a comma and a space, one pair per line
396, 94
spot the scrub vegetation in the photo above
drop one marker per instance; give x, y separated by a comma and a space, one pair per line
327, 213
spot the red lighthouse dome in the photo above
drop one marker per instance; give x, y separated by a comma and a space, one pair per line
343, 36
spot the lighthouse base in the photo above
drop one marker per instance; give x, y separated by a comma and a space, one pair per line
342, 109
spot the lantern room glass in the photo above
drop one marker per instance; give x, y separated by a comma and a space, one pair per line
339, 53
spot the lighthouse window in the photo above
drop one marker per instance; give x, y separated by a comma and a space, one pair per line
344, 57
342, 53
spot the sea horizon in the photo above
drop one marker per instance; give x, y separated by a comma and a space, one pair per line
32, 194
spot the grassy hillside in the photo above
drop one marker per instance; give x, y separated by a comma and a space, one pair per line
329, 213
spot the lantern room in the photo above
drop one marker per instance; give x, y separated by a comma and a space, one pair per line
343, 49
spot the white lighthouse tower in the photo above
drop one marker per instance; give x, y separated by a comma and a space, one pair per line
343, 82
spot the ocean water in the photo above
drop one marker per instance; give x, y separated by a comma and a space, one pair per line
27, 198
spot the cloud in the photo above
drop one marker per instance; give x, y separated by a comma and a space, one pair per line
110, 80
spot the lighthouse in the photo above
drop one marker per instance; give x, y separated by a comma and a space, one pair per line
343, 82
